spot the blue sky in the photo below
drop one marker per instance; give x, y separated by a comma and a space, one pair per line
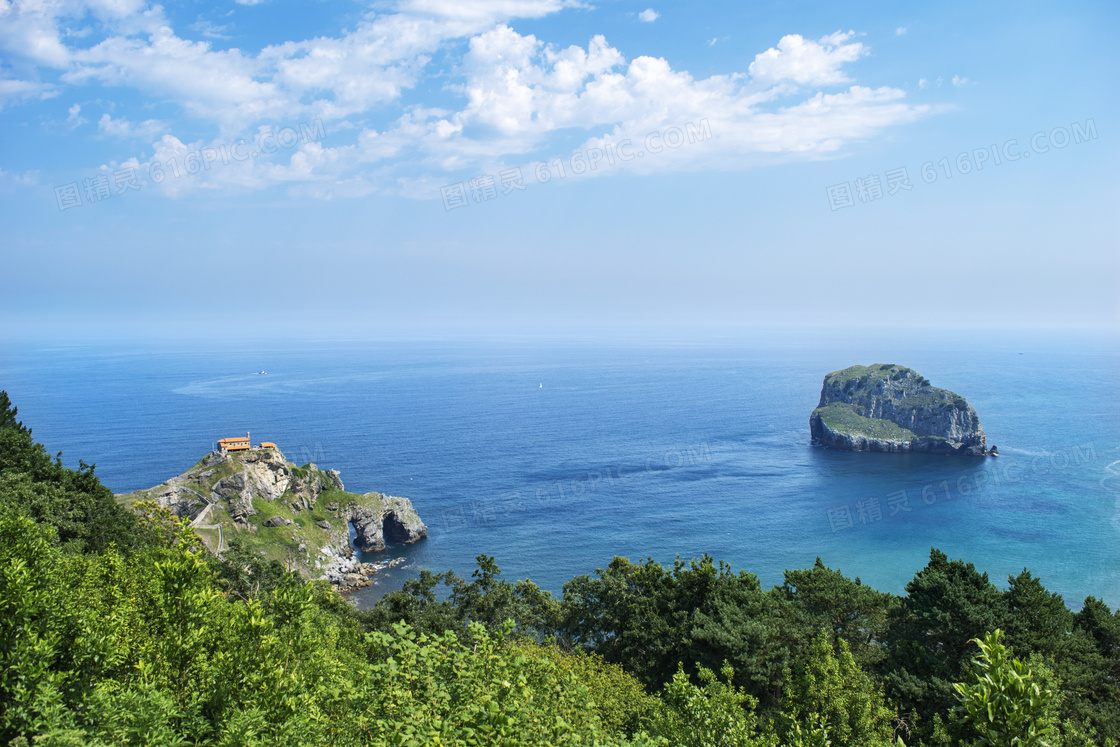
344, 168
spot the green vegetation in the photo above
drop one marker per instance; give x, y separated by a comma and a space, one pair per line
82, 512
129, 633
876, 372
1005, 705
843, 418
865, 377
713, 714
833, 699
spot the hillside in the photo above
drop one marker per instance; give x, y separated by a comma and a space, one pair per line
298, 516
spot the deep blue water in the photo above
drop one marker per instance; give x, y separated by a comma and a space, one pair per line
554, 457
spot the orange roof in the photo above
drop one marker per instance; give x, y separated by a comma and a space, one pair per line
239, 447
268, 445
233, 440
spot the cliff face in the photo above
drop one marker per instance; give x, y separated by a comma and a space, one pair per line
300, 516
885, 407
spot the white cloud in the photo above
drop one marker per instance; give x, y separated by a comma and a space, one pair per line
74, 118
25, 179
486, 12
922, 82
805, 62
521, 91
649, 15
31, 28
215, 85
121, 127
900, 31
18, 91
958, 81
330, 77
220, 165
210, 30
517, 85
519, 94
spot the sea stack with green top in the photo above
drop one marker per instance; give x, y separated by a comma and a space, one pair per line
886, 407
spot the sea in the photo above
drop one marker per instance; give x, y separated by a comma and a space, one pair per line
555, 455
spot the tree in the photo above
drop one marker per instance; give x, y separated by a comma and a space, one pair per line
487, 599
622, 704
83, 512
31, 623
855, 613
417, 605
1038, 620
247, 575
439, 690
491, 600
757, 632
1090, 670
1003, 704
948, 604
8, 414
651, 619
833, 702
713, 714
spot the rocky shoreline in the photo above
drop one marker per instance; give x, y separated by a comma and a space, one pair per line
348, 574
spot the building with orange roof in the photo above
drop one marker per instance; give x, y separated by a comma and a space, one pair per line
237, 443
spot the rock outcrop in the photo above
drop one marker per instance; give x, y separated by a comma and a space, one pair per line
885, 407
310, 482
300, 516
383, 518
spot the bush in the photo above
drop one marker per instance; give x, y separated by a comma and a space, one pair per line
621, 703
1004, 705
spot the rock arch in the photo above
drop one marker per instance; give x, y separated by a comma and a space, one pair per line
384, 518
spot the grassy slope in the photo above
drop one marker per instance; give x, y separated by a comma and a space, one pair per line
842, 418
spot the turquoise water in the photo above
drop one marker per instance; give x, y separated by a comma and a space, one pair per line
555, 457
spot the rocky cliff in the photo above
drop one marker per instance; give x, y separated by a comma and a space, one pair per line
299, 516
885, 407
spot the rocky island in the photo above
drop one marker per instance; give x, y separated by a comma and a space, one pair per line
299, 516
886, 407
